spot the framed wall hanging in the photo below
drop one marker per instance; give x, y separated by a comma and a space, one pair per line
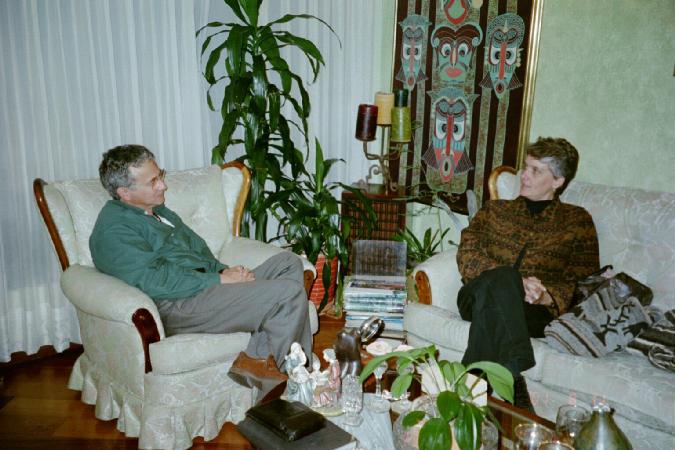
469, 67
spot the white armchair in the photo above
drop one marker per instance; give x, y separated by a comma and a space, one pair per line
165, 390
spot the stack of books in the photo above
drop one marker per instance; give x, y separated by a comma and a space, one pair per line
376, 295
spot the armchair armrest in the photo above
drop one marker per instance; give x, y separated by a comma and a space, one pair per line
104, 296
251, 253
438, 280
109, 298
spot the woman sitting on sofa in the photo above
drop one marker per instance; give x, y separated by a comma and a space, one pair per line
520, 261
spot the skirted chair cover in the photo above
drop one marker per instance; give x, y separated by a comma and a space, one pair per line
163, 390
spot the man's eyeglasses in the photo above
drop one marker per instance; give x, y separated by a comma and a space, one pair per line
155, 181
160, 177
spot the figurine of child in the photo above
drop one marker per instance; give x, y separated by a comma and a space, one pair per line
327, 394
299, 386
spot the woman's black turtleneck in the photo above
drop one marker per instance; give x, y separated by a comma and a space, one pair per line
536, 206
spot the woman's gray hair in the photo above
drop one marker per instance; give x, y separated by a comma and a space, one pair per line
559, 155
114, 169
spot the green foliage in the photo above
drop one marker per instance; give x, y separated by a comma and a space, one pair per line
242, 66
455, 401
309, 216
420, 251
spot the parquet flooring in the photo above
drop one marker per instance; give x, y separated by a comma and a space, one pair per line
38, 411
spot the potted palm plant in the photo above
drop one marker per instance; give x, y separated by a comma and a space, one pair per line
309, 218
454, 413
256, 84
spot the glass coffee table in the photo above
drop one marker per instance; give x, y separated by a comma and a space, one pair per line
509, 417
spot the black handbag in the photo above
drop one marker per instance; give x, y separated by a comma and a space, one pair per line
618, 287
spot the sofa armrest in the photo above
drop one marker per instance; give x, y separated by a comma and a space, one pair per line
438, 280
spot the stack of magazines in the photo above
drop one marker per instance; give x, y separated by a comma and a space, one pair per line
376, 295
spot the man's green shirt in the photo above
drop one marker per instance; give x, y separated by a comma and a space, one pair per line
164, 262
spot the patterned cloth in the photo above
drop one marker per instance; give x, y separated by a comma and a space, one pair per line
597, 327
658, 342
559, 246
612, 318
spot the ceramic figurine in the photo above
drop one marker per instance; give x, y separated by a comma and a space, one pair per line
299, 386
326, 393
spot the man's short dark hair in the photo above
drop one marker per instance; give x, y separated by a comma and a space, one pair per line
559, 155
114, 169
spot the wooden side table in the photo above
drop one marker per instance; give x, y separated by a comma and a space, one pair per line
391, 218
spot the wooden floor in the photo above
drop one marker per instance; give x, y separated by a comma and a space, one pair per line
38, 411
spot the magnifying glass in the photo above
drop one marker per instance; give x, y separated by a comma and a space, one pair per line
370, 328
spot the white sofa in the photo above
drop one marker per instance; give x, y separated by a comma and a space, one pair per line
636, 232
165, 390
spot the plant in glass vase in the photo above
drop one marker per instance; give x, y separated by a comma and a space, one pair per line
309, 217
452, 388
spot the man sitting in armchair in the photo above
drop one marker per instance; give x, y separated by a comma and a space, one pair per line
139, 240
520, 261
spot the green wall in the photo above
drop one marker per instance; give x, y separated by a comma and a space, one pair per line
605, 82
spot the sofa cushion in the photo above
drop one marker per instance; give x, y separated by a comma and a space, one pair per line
447, 329
628, 382
636, 231
189, 352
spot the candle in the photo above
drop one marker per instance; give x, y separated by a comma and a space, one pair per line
384, 102
400, 124
366, 123
401, 97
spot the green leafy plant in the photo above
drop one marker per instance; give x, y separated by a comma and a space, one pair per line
309, 216
421, 250
248, 64
455, 400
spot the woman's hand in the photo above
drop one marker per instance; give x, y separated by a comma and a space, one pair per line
535, 292
236, 274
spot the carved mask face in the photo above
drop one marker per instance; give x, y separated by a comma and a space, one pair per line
505, 34
411, 54
414, 32
454, 50
449, 132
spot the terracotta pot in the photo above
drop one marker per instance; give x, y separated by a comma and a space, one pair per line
316, 293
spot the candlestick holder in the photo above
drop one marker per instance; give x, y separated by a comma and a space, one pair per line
387, 154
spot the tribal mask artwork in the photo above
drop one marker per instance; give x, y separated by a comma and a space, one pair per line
450, 118
414, 37
454, 50
503, 38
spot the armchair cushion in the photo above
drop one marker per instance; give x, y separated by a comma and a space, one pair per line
197, 196
85, 198
188, 352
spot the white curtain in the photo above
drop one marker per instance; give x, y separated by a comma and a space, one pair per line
79, 77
